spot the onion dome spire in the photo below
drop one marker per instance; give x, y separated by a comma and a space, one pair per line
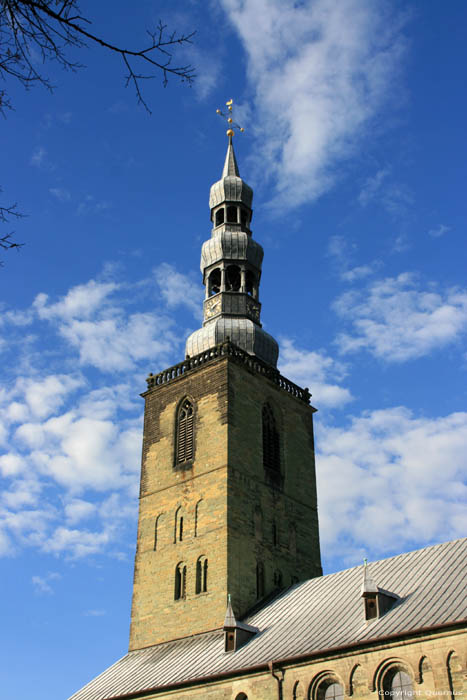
231, 265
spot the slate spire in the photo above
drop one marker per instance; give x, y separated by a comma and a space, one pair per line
230, 165
231, 265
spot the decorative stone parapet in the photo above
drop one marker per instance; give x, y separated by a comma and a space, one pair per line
227, 348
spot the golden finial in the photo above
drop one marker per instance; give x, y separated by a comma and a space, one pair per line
228, 117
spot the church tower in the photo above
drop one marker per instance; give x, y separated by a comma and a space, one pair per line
228, 489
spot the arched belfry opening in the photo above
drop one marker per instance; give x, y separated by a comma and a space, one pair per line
214, 282
233, 278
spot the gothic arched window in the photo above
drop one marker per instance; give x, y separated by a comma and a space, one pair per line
180, 581
271, 442
185, 432
201, 575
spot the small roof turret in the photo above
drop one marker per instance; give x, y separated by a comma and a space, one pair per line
368, 585
236, 634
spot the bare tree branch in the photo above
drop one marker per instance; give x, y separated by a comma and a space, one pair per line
34, 32
32, 29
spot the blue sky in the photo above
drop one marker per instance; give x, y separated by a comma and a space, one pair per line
354, 143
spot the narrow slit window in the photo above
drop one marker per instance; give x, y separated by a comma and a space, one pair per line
185, 432
178, 525
271, 442
180, 582
201, 575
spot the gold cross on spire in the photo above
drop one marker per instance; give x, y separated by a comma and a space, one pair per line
228, 116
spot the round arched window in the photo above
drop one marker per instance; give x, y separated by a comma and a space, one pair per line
241, 696
334, 691
398, 683
329, 689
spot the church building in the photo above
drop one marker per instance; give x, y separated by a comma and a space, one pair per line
229, 600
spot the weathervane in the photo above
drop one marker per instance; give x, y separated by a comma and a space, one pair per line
228, 117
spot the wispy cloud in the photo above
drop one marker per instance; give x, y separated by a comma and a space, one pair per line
439, 231
42, 584
178, 289
91, 205
372, 186
320, 70
60, 193
396, 321
342, 252
38, 157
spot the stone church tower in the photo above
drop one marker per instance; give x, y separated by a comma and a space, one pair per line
228, 491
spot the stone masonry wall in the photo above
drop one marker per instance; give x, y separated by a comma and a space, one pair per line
291, 506
201, 495
217, 498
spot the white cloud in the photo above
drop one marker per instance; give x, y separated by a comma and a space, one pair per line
60, 193
91, 205
372, 186
80, 452
11, 464
439, 231
79, 543
93, 320
316, 371
94, 613
42, 583
320, 71
401, 244
81, 301
342, 251
395, 321
178, 289
379, 482
78, 510
44, 396
38, 157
